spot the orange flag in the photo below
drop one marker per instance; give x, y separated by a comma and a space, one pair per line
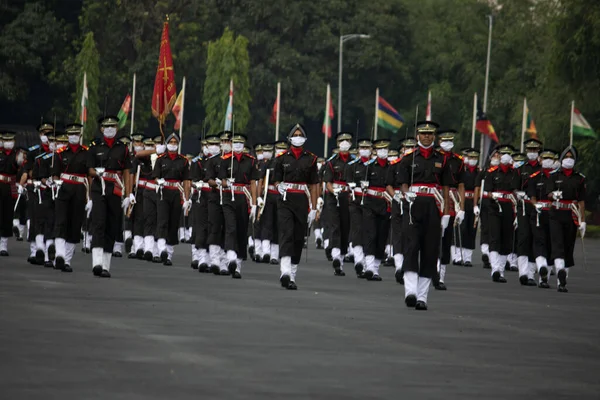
164, 93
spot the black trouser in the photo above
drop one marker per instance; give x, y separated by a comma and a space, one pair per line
338, 221
356, 231
150, 212
32, 201
21, 213
235, 217
396, 222
484, 221
200, 221
45, 215
69, 209
467, 230
376, 226
168, 216
107, 217
292, 216
524, 239
7, 204
501, 229
540, 230
563, 233
422, 237
137, 214
268, 219
447, 241
215, 220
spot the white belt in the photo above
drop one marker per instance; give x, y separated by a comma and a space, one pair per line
7, 178
295, 186
340, 186
74, 178
424, 189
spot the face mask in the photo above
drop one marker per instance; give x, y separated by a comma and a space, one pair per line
267, 155
392, 158
495, 162
205, 151
298, 141
319, 165
74, 139
52, 146
214, 149
518, 164
225, 147
148, 147
172, 147
138, 148
44, 139
425, 147
547, 163
568, 163
382, 153
20, 159
160, 149
345, 145
260, 156
532, 156
447, 145
238, 147
110, 132
471, 163
506, 159
364, 152
9, 145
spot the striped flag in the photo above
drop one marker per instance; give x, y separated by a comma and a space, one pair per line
84, 100
229, 112
124, 111
580, 125
326, 128
387, 116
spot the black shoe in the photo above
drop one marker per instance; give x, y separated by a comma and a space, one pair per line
552, 272
485, 258
39, 257
231, 267
562, 289
399, 275
523, 279
236, 275
117, 254
456, 262
421, 306
410, 300
48, 264
16, 233
224, 273
97, 270
59, 263
156, 260
139, 254
496, 277
368, 275
319, 243
251, 251
3, 253
358, 267
389, 262
544, 285
215, 269
285, 281
67, 268
19, 239
274, 261
202, 268
337, 265
51, 252
266, 258
562, 281
349, 258
513, 268
257, 259
339, 272
375, 278
131, 256
164, 256
292, 286
467, 264
440, 286
328, 254
86, 250
128, 245
31, 260
148, 256
104, 274
195, 264
168, 263
531, 282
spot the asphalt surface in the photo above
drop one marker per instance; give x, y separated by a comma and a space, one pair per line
156, 332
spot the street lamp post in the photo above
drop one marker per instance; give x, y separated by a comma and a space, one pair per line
344, 38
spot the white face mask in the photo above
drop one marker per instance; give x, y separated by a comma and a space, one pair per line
225, 147
472, 162
547, 163
205, 151
298, 141
214, 149
148, 147
382, 153
506, 159
364, 152
345, 145
110, 132
518, 164
447, 145
425, 147
172, 147
138, 148
20, 159
238, 147
9, 145
44, 139
568, 163
74, 139
494, 162
260, 156
532, 156
52, 146
160, 149
392, 158
267, 155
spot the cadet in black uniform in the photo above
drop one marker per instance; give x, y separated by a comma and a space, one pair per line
481, 211
422, 176
172, 174
336, 201
156, 148
468, 230
297, 181
238, 174
20, 216
108, 167
267, 205
143, 148
255, 239
318, 224
567, 188
70, 177
8, 171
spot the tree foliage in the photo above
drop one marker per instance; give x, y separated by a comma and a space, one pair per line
87, 61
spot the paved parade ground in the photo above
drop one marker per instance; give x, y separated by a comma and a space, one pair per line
156, 332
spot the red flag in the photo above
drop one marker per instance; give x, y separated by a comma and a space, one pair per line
274, 112
326, 129
164, 93
484, 126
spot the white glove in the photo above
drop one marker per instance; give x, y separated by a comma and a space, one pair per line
20, 189
187, 205
538, 208
337, 191
476, 211
460, 217
496, 196
125, 203
132, 198
260, 202
364, 185
520, 195
218, 182
410, 196
88, 208
557, 194
582, 228
445, 221
351, 185
281, 188
230, 182
49, 182
100, 172
320, 204
311, 216
253, 213
515, 223
159, 184
398, 197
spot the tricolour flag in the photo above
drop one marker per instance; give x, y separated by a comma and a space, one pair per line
387, 116
580, 125
84, 100
326, 128
124, 111
229, 112
177, 107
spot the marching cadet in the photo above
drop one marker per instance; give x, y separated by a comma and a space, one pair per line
238, 174
481, 195
389, 247
172, 174
8, 171
267, 204
540, 219
216, 234
336, 201
296, 179
468, 228
156, 148
422, 177
376, 211
70, 182
20, 216
567, 189
501, 183
108, 167
255, 235
317, 225
125, 229
356, 172
453, 165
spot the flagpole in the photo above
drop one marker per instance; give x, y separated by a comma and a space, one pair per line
524, 123
416, 119
376, 109
278, 109
132, 108
571, 125
181, 114
327, 121
483, 157
474, 120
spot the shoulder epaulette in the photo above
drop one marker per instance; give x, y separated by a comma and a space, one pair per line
331, 158
396, 161
34, 148
458, 156
371, 161
40, 155
582, 175
85, 147
61, 150
409, 152
226, 156
213, 156
161, 156
249, 156
196, 159
45, 156
354, 161
536, 173
492, 169
279, 155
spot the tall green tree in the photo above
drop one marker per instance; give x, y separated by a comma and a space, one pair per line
227, 60
87, 61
